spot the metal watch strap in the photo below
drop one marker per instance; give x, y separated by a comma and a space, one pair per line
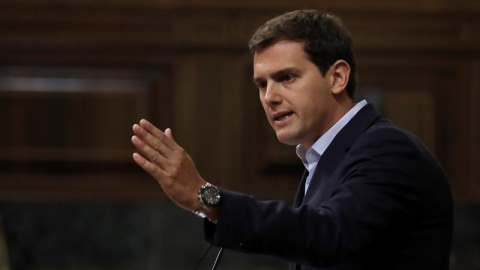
203, 210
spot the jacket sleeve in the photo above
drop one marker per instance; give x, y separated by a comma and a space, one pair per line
381, 189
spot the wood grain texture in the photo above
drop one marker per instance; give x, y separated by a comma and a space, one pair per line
191, 60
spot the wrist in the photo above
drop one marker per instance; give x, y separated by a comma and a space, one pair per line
208, 197
213, 215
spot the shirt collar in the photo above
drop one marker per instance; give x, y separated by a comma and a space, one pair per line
324, 141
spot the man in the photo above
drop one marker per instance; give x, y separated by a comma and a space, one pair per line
372, 197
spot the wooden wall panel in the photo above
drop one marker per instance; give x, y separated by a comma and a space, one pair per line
456, 144
423, 55
414, 111
67, 130
474, 131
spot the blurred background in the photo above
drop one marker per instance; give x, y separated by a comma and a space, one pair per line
75, 75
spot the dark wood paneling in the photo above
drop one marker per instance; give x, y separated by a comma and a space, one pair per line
67, 130
191, 62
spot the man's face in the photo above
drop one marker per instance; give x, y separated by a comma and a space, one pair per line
296, 97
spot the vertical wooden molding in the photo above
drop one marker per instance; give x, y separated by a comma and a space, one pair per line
231, 141
185, 103
474, 130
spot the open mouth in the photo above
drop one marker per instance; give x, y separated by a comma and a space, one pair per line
282, 116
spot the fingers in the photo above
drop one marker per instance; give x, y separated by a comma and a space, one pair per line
169, 134
148, 166
143, 138
149, 127
153, 137
152, 154
168, 163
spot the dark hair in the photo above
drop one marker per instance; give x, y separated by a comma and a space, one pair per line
325, 39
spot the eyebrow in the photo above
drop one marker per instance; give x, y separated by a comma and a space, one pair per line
278, 73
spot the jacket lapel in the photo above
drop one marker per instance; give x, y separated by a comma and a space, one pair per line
301, 190
336, 151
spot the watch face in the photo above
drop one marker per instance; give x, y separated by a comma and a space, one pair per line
210, 196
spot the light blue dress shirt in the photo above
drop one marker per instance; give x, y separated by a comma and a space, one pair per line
311, 156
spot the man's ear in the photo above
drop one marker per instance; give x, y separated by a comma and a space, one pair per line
340, 74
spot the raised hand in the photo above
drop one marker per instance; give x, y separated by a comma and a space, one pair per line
168, 163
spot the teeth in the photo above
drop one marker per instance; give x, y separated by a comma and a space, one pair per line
282, 117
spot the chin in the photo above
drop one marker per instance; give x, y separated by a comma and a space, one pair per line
288, 140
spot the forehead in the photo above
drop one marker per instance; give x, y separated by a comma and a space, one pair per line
279, 55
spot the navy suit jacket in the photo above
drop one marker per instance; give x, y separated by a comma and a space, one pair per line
377, 200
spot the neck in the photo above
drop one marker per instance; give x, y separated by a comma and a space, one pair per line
341, 108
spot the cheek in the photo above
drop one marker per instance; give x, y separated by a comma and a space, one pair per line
264, 106
262, 100
265, 109
309, 110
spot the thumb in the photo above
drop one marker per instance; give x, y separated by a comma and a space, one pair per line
168, 132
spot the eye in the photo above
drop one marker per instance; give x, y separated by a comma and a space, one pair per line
261, 85
288, 77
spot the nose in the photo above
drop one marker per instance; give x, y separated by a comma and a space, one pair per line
272, 96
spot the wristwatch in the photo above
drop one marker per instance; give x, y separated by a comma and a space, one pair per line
208, 199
